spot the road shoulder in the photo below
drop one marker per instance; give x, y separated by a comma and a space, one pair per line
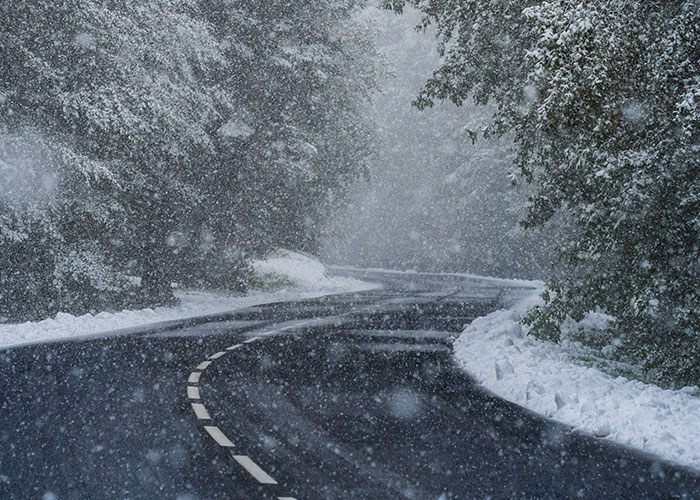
544, 378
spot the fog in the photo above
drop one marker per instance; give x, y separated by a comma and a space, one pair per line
434, 201
27, 170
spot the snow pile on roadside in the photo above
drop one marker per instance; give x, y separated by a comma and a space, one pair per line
304, 278
302, 273
479, 278
541, 376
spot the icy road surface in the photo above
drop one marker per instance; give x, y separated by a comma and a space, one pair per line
353, 396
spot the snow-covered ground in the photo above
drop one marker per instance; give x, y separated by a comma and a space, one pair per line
476, 277
494, 349
303, 273
543, 377
301, 277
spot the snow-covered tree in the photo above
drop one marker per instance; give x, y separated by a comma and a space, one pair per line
297, 78
178, 135
114, 92
601, 97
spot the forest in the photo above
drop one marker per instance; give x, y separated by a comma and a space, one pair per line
602, 102
149, 142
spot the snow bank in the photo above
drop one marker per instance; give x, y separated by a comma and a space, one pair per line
475, 277
303, 276
302, 272
541, 376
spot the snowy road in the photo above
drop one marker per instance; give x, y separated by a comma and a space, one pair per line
352, 396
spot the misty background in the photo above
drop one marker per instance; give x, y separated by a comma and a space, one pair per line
434, 201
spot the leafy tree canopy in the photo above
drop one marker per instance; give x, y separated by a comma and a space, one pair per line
602, 98
170, 139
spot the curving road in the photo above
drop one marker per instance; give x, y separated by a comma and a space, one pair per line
350, 396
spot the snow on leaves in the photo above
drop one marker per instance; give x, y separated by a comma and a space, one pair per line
601, 97
159, 118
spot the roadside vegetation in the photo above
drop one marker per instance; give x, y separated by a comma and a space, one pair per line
602, 98
147, 142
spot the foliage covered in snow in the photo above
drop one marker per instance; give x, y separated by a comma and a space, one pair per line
435, 200
152, 141
600, 98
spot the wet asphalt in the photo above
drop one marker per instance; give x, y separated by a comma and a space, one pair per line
342, 397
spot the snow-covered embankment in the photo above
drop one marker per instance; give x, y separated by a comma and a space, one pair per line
541, 376
299, 277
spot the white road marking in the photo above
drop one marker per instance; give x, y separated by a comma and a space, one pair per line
200, 411
193, 392
254, 470
218, 436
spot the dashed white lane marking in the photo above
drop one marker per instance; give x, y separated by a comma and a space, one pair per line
218, 436
203, 365
254, 470
200, 411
